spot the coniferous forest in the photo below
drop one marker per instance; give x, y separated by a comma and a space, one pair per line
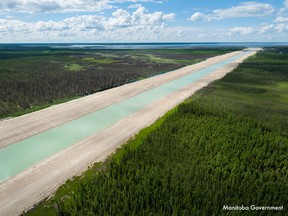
226, 145
33, 78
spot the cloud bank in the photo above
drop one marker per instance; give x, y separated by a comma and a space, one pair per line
129, 20
61, 6
122, 26
245, 9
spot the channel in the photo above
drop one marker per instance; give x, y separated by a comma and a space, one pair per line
21, 155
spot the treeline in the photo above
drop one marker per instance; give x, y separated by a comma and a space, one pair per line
31, 77
212, 150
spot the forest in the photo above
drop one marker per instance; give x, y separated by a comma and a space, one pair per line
225, 145
33, 78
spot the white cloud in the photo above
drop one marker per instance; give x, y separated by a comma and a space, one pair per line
134, 1
259, 30
265, 32
137, 1
61, 6
282, 27
266, 28
140, 17
245, 9
135, 6
53, 6
122, 26
281, 20
242, 31
197, 16
282, 11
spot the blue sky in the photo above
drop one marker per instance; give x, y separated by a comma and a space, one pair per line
143, 21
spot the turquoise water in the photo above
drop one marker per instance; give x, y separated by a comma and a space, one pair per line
23, 154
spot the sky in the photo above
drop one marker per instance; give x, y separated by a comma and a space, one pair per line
97, 21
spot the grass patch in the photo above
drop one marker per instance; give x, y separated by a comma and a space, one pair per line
100, 61
162, 60
74, 67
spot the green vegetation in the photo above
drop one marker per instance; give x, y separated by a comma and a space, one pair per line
36, 77
74, 67
226, 145
100, 61
158, 59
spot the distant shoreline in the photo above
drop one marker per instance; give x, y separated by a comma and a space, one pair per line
152, 45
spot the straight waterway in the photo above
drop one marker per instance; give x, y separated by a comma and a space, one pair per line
21, 155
